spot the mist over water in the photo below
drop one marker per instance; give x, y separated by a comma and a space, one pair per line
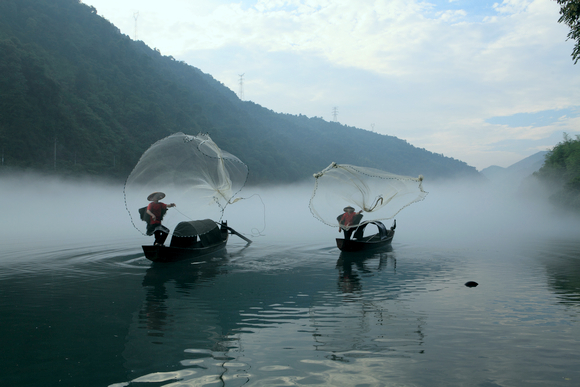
40, 209
84, 307
53, 211
468, 213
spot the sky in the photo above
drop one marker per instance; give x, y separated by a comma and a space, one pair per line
485, 82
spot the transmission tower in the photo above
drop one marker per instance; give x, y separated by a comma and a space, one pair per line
242, 86
335, 114
135, 16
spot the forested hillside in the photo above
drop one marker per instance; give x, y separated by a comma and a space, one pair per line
561, 172
78, 97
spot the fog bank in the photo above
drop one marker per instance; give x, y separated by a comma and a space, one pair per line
458, 214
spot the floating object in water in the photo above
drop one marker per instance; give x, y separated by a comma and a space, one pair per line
471, 284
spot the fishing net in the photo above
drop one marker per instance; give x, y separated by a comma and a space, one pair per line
192, 172
380, 195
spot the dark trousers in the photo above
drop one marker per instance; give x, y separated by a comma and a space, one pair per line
358, 232
348, 233
160, 232
160, 236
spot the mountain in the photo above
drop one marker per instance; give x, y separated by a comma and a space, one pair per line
79, 97
516, 172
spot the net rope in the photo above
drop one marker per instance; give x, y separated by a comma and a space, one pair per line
193, 172
380, 195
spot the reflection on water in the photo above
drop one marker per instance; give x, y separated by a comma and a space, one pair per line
349, 281
218, 312
183, 276
562, 264
278, 315
370, 324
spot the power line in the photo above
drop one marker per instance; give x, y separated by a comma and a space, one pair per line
241, 95
335, 114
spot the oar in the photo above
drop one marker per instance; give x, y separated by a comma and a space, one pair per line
237, 233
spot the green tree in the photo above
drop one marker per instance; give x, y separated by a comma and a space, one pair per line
570, 11
561, 171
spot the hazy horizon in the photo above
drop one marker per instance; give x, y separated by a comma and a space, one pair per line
49, 211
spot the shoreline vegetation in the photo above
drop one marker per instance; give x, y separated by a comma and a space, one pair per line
561, 173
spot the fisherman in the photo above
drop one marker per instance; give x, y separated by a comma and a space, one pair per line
349, 218
156, 210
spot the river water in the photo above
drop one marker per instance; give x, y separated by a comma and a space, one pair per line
81, 312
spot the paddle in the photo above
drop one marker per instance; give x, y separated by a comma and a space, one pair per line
237, 233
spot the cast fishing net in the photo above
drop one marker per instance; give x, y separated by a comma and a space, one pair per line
380, 195
193, 172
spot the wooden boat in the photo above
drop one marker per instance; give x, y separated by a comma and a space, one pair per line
192, 239
379, 240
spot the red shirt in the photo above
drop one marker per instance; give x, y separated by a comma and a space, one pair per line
157, 210
347, 218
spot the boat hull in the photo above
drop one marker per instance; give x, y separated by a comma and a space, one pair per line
373, 242
173, 254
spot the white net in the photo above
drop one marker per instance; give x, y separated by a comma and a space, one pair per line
380, 195
192, 172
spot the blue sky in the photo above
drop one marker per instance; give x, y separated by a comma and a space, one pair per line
485, 82
537, 119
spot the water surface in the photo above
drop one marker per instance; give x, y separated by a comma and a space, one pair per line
272, 314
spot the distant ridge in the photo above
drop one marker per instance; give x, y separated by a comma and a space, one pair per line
79, 97
518, 171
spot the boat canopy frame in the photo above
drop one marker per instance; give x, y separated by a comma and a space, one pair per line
185, 234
